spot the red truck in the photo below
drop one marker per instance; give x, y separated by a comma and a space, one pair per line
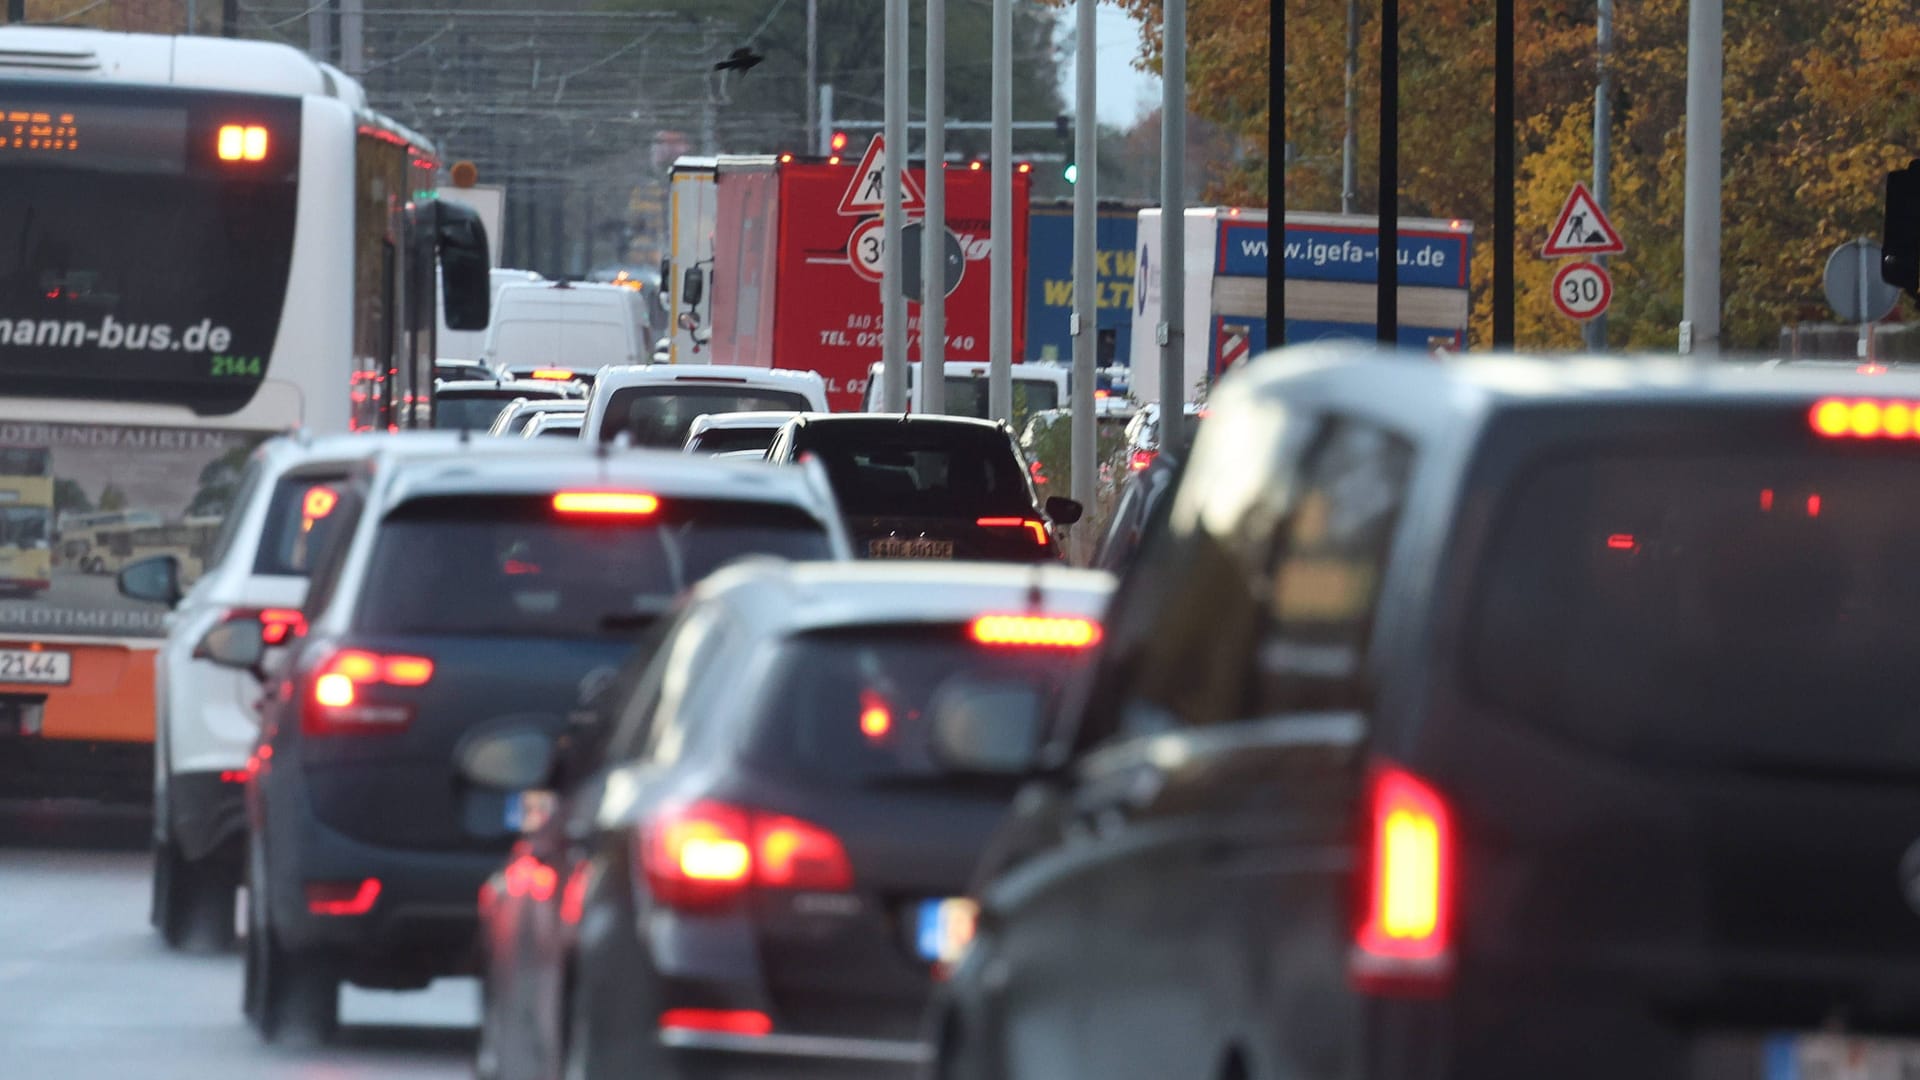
796, 247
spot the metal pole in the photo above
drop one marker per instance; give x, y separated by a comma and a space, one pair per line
193, 17
1086, 252
1595, 331
320, 30
1172, 330
1387, 301
893, 300
1000, 302
353, 37
826, 119
1350, 146
1866, 323
1700, 302
1503, 175
933, 238
813, 69
17, 11
1277, 177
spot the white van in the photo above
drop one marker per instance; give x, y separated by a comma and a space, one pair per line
453, 344
1036, 388
567, 324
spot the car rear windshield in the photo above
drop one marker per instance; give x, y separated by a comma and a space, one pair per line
722, 440
1753, 610
300, 520
662, 415
967, 396
854, 704
510, 565
474, 411
920, 469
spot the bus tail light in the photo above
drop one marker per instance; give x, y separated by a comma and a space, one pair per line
1865, 418
241, 142
708, 853
1405, 938
337, 702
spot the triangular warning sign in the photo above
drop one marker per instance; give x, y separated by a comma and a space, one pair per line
1582, 228
864, 192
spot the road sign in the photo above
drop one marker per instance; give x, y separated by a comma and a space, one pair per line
913, 269
864, 191
866, 246
1582, 290
1853, 283
1582, 228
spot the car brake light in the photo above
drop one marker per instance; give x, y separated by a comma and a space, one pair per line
342, 897
277, 625
1865, 418
629, 503
1139, 460
875, 718
1043, 631
1406, 936
1039, 528
705, 854
553, 374
724, 1021
337, 701
573, 898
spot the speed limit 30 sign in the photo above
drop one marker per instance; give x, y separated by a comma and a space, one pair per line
1582, 290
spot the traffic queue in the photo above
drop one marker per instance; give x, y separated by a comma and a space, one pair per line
1442, 721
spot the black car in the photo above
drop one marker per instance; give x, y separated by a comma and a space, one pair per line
461, 591
1494, 719
928, 487
756, 868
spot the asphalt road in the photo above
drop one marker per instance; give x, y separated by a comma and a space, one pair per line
88, 993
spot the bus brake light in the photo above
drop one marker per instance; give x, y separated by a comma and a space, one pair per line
242, 142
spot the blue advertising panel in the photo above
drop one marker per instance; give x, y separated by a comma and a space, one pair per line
1050, 283
1347, 253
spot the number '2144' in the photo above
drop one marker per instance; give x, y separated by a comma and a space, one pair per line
232, 366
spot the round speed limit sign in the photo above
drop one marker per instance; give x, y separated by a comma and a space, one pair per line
1582, 290
866, 249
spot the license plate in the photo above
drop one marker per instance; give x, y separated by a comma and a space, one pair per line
944, 929
26, 666
896, 547
1841, 1057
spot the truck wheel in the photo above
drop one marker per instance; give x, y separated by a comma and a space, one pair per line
193, 900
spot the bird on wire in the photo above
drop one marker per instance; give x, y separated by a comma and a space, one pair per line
742, 60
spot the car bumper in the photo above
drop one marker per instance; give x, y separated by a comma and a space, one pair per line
714, 1055
108, 771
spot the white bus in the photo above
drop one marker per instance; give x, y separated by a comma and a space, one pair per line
202, 241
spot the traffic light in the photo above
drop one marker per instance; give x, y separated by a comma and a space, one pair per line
839, 142
1071, 172
1063, 127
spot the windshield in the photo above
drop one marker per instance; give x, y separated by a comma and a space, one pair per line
662, 415
473, 409
720, 440
134, 264
511, 566
1708, 607
575, 343
919, 469
24, 526
852, 705
300, 520
967, 396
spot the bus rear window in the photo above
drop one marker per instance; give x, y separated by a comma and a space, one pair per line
300, 519
1752, 610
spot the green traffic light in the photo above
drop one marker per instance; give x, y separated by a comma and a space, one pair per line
1072, 172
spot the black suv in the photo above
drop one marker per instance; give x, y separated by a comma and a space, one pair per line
928, 487
1491, 720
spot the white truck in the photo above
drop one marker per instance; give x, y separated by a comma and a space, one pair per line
1332, 262
688, 278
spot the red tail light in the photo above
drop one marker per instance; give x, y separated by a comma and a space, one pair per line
1039, 528
342, 897
708, 853
1139, 460
724, 1021
1405, 939
277, 625
1038, 631
573, 898
338, 700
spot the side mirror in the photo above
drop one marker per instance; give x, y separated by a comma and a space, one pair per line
238, 644
693, 287
990, 729
154, 580
465, 271
1064, 511
512, 755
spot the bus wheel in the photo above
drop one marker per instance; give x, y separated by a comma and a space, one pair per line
194, 900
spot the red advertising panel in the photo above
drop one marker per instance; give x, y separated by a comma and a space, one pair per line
827, 309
